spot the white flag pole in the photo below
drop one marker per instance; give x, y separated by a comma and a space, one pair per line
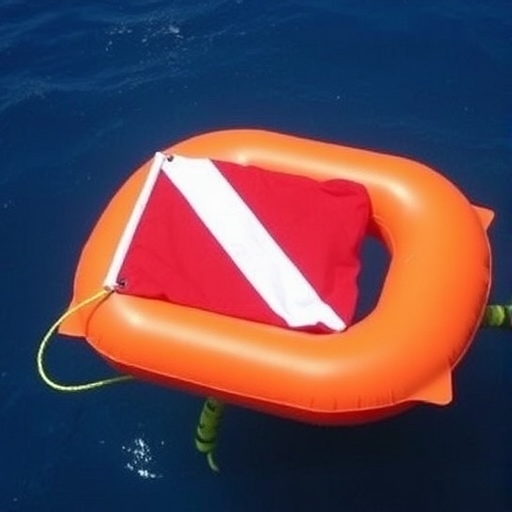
111, 280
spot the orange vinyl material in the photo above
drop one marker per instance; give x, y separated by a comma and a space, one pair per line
403, 352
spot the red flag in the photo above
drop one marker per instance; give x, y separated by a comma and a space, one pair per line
246, 242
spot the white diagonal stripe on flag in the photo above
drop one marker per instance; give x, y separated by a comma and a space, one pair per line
249, 245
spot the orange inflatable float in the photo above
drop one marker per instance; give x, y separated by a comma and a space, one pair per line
402, 353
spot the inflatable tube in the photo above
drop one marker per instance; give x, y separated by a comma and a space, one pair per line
403, 352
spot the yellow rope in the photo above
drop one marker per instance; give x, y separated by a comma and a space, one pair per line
207, 430
46, 338
498, 315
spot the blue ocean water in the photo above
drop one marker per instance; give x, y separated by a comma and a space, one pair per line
89, 90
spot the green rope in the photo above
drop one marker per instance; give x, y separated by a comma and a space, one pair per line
498, 315
207, 429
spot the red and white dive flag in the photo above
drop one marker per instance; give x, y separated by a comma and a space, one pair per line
244, 242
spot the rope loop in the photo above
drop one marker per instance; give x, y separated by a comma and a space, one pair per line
99, 296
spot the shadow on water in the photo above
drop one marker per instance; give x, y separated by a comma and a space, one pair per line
374, 265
